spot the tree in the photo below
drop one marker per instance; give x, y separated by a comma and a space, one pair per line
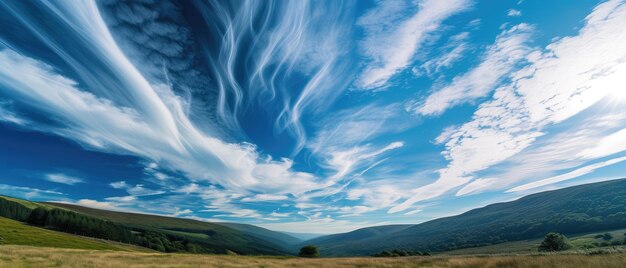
554, 242
607, 236
309, 251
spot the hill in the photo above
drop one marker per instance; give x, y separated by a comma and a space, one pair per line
155, 232
279, 238
304, 236
579, 209
17, 233
240, 238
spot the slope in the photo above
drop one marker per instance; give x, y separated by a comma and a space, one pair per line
215, 235
584, 208
17, 233
279, 238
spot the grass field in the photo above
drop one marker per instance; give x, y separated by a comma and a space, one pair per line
17, 233
581, 241
24, 256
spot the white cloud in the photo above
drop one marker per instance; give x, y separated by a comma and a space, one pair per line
611, 144
412, 212
514, 13
392, 41
156, 128
323, 225
119, 185
265, 198
279, 215
178, 212
63, 179
343, 162
476, 186
97, 204
28, 192
121, 199
7, 115
137, 190
566, 78
567, 176
452, 52
510, 47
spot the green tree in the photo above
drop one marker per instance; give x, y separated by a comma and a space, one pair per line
607, 236
309, 251
554, 242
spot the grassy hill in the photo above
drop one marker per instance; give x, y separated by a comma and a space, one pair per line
279, 238
579, 209
17, 233
240, 238
156, 232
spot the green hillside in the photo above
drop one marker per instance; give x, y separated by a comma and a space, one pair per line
580, 209
150, 231
17, 233
252, 240
279, 238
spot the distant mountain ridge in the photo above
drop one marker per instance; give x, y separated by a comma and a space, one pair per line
583, 208
304, 236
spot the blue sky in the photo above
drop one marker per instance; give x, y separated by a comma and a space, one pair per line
300, 116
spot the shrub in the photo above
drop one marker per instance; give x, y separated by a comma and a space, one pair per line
607, 236
309, 251
554, 242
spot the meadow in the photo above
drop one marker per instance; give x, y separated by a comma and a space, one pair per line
28, 256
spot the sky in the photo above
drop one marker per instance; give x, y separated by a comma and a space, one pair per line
309, 116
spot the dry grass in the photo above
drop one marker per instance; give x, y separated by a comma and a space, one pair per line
24, 256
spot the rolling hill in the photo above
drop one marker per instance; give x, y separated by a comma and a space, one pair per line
156, 232
278, 238
240, 238
17, 233
579, 209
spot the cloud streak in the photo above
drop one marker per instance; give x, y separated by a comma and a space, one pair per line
391, 42
569, 76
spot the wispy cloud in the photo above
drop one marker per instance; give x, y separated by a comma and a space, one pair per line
29, 192
63, 179
265, 198
566, 78
392, 40
155, 128
514, 13
455, 48
567, 176
509, 48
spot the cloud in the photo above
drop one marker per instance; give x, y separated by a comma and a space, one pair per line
265, 198
8, 115
509, 49
137, 190
476, 186
566, 78
567, 176
611, 144
136, 118
322, 225
343, 162
63, 179
514, 13
97, 204
28, 192
452, 52
392, 41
